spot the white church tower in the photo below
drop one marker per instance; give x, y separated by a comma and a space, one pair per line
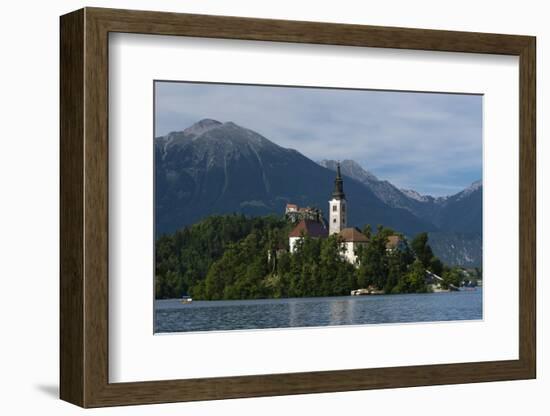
337, 205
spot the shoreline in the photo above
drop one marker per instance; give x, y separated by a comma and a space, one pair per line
312, 298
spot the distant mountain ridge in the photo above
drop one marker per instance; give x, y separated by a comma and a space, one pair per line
445, 212
384, 190
215, 168
458, 217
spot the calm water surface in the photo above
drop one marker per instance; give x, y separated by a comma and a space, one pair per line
173, 316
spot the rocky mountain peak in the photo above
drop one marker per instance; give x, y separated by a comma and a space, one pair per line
201, 127
411, 193
350, 168
475, 186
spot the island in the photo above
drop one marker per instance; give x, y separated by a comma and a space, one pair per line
298, 254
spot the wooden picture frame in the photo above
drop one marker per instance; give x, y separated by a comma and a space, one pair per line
84, 207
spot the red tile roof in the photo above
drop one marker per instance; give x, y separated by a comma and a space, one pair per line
353, 235
309, 228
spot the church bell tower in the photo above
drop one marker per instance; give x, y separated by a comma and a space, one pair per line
337, 205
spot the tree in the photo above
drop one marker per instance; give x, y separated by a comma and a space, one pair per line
422, 249
397, 267
334, 270
237, 257
367, 231
436, 266
384, 232
187, 255
168, 286
451, 277
414, 281
373, 265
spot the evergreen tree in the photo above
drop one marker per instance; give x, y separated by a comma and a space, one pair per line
373, 264
451, 277
414, 281
422, 249
436, 266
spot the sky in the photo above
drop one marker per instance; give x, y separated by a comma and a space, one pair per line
428, 142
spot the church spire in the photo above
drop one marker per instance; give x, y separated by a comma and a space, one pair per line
338, 192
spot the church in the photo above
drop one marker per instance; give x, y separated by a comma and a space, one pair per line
351, 237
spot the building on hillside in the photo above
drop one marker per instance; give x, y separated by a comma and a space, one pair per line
352, 239
310, 228
291, 208
310, 222
395, 242
295, 214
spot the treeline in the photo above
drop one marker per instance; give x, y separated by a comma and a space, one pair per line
236, 257
183, 259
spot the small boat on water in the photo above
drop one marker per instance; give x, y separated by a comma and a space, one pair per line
371, 290
186, 299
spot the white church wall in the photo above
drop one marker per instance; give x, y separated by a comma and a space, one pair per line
337, 217
292, 243
349, 254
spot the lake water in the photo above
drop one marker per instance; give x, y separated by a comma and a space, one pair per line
173, 316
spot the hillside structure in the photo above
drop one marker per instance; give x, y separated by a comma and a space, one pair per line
313, 229
395, 242
295, 214
312, 224
352, 239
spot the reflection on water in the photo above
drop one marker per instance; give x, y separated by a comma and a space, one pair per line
173, 316
340, 312
292, 322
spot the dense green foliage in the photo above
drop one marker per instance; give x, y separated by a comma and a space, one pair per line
316, 268
183, 259
451, 277
238, 257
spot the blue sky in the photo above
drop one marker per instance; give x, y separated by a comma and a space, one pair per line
428, 142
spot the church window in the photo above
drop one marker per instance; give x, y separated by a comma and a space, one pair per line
334, 220
335, 208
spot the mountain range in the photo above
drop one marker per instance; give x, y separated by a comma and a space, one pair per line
216, 168
457, 218
460, 212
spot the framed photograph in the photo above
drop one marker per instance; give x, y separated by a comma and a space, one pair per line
255, 207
